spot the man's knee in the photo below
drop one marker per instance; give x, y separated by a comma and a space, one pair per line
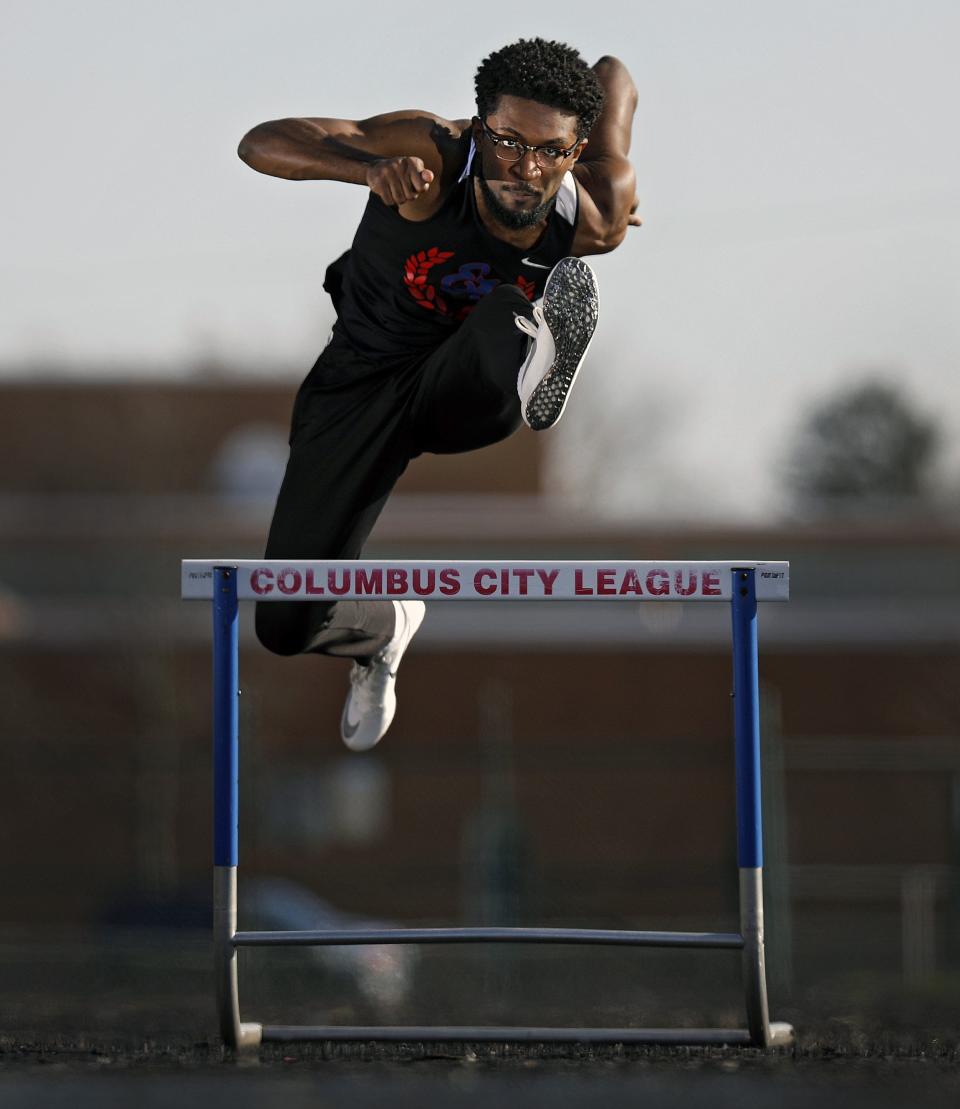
508, 419
494, 319
507, 300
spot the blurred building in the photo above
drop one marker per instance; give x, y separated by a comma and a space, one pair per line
549, 763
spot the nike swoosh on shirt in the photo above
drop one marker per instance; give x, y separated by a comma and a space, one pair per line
535, 265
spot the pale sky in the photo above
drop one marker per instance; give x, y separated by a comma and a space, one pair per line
799, 178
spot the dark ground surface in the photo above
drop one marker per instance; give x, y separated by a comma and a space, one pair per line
127, 1020
88, 1074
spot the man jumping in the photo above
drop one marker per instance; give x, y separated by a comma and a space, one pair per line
462, 308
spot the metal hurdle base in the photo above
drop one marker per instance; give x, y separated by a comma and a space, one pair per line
695, 1037
219, 583
760, 1031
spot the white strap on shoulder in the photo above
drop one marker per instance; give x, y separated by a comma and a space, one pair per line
567, 199
466, 169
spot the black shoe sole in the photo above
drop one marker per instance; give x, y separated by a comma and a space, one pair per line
570, 309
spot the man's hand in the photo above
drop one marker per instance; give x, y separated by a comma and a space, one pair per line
634, 219
397, 181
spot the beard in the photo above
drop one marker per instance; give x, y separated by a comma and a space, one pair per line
514, 220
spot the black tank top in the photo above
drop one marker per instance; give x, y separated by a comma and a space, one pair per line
404, 286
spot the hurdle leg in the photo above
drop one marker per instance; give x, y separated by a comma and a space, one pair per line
226, 764
746, 708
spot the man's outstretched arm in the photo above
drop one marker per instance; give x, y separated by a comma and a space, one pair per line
608, 199
397, 155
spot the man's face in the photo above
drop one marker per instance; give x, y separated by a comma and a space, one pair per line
519, 194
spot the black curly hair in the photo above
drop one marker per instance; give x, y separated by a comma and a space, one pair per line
551, 73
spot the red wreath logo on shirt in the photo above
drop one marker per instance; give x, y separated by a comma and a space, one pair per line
418, 266
415, 271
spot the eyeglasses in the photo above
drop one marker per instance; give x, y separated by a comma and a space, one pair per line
512, 150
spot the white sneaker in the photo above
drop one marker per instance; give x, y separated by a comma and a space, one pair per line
561, 330
372, 700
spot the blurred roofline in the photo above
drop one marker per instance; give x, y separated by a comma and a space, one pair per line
429, 518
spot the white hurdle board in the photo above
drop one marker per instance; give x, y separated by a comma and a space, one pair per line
514, 580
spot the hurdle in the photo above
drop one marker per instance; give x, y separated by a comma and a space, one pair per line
741, 584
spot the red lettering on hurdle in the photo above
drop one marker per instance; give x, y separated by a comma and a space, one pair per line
658, 583
548, 577
289, 581
479, 585
421, 589
523, 576
261, 581
688, 588
338, 588
630, 583
396, 580
369, 581
449, 582
711, 584
605, 583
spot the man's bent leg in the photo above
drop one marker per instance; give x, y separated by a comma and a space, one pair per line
468, 387
350, 629
347, 451
508, 360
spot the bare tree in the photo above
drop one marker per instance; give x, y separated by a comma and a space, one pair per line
864, 446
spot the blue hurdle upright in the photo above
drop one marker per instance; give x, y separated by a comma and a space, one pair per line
741, 584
